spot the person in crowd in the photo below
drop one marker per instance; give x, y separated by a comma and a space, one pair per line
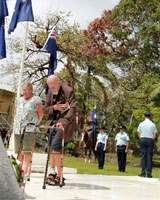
60, 105
147, 133
101, 146
8, 136
3, 134
122, 142
28, 110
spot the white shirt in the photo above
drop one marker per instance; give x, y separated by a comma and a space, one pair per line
147, 128
122, 138
102, 137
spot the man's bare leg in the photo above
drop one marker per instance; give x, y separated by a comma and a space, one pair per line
58, 163
52, 166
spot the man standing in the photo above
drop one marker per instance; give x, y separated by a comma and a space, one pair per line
60, 105
147, 133
121, 148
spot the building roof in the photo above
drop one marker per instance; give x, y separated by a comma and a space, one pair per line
6, 87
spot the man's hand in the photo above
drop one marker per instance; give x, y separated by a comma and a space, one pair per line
126, 151
60, 107
154, 136
60, 126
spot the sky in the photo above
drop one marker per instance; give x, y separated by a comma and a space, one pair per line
82, 11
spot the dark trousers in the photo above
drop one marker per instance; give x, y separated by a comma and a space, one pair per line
100, 155
146, 153
121, 155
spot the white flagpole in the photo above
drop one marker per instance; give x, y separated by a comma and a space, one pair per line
22, 63
11, 146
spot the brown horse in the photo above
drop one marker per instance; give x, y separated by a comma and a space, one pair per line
86, 143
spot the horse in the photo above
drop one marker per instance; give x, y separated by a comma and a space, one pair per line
86, 143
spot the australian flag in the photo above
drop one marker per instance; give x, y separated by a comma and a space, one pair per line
3, 9
94, 120
22, 12
3, 14
50, 46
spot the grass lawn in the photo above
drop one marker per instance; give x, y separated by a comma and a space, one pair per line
110, 168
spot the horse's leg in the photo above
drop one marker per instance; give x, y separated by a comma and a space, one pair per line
89, 155
85, 155
95, 154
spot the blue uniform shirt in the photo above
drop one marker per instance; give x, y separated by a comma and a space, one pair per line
122, 138
147, 128
102, 137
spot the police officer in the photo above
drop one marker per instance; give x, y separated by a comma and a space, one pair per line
100, 147
147, 133
121, 148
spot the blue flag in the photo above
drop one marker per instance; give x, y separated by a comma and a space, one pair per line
3, 9
22, 12
2, 39
50, 46
3, 14
94, 120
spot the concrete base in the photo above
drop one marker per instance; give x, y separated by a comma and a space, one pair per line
94, 187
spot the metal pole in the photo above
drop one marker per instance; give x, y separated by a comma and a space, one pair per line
22, 62
21, 71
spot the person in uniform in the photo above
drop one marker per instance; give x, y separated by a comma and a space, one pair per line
100, 147
122, 142
147, 133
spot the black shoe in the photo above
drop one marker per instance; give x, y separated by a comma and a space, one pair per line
149, 175
142, 175
100, 168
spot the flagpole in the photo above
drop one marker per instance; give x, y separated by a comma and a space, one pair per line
11, 146
22, 63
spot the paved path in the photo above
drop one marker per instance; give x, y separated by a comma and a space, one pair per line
90, 187
94, 187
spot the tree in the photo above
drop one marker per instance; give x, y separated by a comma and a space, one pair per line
36, 59
128, 36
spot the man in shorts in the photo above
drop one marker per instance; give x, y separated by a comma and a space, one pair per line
60, 105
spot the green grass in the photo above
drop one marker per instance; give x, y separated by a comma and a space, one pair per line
109, 168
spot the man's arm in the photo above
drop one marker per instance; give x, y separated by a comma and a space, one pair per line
105, 145
116, 146
154, 136
96, 145
127, 147
70, 114
139, 135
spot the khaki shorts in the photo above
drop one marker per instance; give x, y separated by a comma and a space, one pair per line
28, 143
